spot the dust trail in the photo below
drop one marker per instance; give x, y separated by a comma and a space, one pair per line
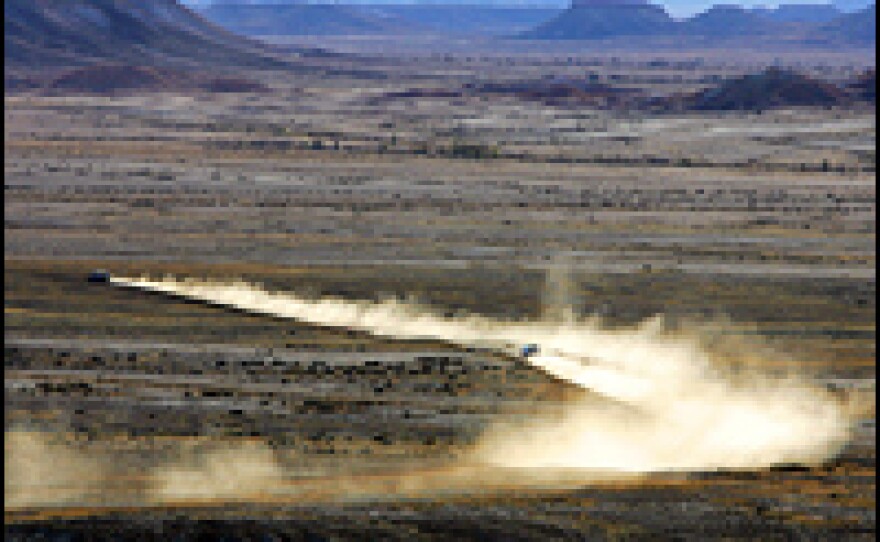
239, 471
40, 470
559, 298
251, 472
674, 408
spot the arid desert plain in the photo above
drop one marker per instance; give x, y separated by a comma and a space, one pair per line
736, 247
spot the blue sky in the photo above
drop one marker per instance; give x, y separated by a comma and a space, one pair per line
678, 8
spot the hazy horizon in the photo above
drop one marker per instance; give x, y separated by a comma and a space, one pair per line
677, 8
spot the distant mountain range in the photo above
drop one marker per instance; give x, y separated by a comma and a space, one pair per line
813, 25
800, 13
859, 28
808, 24
476, 20
64, 34
293, 19
727, 21
119, 46
113, 46
298, 19
44, 33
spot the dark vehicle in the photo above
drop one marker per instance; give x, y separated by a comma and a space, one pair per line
99, 275
529, 350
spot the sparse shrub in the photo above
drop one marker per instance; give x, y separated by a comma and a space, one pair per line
475, 151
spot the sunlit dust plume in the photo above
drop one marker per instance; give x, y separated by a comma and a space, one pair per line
240, 471
42, 471
673, 407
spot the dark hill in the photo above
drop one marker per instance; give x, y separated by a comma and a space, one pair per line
600, 19
864, 87
53, 33
559, 92
769, 89
123, 78
113, 78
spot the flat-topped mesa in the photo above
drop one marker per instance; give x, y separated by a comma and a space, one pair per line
606, 3
602, 19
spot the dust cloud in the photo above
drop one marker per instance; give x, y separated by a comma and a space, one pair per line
661, 402
40, 470
241, 470
671, 405
559, 298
